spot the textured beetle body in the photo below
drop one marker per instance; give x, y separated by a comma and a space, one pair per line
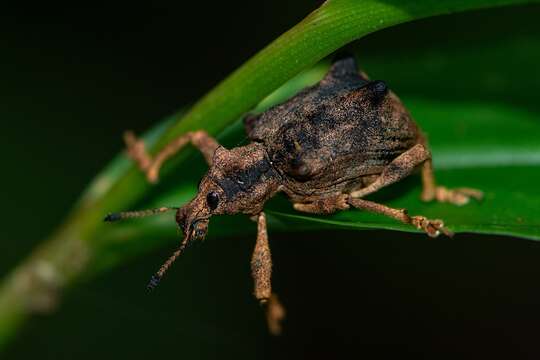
327, 148
336, 135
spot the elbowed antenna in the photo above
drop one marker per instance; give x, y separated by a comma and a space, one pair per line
154, 281
136, 214
156, 278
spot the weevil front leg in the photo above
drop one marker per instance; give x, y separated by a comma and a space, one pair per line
150, 166
261, 271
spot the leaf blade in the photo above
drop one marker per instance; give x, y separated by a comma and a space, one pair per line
491, 147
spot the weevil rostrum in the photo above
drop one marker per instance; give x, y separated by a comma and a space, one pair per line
326, 148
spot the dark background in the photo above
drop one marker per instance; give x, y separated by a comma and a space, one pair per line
72, 79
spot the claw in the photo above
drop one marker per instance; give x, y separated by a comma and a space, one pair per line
275, 313
459, 196
432, 227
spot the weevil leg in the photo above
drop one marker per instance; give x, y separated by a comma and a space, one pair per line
261, 271
430, 191
261, 262
399, 168
206, 144
275, 313
327, 205
432, 227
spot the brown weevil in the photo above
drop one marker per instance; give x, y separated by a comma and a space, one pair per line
326, 148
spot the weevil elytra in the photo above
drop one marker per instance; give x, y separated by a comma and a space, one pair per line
326, 148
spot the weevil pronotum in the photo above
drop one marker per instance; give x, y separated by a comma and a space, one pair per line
326, 148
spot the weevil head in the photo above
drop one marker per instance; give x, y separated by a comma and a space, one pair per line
238, 181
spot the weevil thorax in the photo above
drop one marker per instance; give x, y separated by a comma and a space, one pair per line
239, 180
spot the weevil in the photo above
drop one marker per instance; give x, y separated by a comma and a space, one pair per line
326, 148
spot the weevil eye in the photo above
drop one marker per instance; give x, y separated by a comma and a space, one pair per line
212, 199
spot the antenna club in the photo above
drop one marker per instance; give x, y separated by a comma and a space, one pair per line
154, 281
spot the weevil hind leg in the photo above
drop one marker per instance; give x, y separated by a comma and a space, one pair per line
430, 191
398, 169
405, 164
261, 271
342, 202
136, 149
431, 227
401, 167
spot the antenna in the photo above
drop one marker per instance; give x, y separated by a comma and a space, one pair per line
156, 278
136, 214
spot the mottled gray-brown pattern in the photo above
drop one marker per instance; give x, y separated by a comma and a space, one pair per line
326, 148
331, 135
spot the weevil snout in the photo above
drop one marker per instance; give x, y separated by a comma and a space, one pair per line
194, 226
199, 229
194, 229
